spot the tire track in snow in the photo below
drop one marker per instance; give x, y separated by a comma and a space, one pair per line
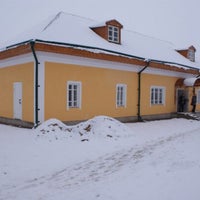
89, 171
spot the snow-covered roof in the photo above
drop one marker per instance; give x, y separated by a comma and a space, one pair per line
72, 29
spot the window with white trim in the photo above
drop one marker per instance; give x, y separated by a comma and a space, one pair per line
191, 55
157, 95
113, 34
121, 95
73, 94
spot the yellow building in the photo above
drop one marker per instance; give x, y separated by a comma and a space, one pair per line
73, 70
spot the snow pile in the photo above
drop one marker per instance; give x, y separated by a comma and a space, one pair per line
51, 126
100, 126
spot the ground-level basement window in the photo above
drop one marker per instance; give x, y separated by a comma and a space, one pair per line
73, 94
121, 95
157, 95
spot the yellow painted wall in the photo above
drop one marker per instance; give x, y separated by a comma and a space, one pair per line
19, 73
98, 91
148, 80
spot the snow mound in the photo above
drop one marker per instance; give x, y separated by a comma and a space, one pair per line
100, 126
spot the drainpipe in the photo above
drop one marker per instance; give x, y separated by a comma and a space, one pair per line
139, 90
36, 108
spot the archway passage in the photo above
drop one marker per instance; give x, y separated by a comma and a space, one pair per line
184, 87
197, 82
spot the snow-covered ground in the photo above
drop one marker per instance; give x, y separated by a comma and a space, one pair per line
101, 159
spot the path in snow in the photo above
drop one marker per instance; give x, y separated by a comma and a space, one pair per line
86, 172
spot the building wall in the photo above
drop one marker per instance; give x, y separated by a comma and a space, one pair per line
17, 73
149, 80
99, 80
98, 91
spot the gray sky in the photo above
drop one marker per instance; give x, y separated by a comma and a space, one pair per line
173, 20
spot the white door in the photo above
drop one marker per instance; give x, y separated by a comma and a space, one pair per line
17, 94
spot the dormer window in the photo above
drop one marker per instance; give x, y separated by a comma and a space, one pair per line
191, 55
113, 34
109, 30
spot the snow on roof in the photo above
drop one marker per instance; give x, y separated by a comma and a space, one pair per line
72, 29
100, 24
190, 81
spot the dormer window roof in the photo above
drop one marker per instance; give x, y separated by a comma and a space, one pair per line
110, 31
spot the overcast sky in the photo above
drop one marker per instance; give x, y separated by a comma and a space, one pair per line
176, 21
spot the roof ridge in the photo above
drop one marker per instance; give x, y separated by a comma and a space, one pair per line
57, 16
79, 16
149, 36
52, 21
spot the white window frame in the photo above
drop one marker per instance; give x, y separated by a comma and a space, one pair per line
121, 95
198, 96
157, 95
191, 55
113, 34
74, 89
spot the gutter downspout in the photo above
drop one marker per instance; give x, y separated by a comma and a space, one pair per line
139, 91
36, 109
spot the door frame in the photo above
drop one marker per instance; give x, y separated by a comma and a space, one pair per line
17, 100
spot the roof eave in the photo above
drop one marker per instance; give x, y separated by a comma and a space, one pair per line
104, 51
